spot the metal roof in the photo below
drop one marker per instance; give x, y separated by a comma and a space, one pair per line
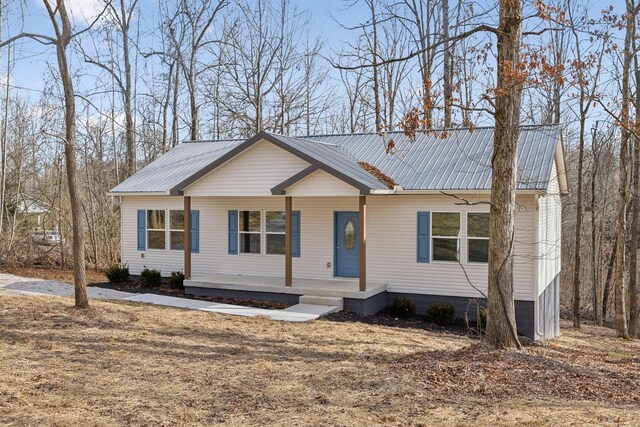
461, 160
457, 159
182, 161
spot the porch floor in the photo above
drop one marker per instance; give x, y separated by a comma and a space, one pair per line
340, 287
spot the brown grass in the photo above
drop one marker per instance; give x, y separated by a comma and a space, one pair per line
130, 364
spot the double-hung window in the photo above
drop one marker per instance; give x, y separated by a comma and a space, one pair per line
249, 232
176, 229
156, 231
253, 230
478, 237
274, 232
445, 236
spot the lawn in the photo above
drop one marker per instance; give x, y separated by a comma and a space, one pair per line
124, 363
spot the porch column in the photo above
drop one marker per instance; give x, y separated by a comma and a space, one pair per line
187, 237
288, 247
363, 242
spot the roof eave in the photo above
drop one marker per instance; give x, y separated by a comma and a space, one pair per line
139, 193
400, 190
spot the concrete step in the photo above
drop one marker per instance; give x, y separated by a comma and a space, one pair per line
320, 300
312, 309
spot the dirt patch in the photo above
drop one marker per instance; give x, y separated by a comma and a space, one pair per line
136, 287
122, 363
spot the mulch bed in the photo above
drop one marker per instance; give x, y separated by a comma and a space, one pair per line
385, 319
136, 287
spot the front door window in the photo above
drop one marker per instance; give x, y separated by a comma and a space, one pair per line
349, 236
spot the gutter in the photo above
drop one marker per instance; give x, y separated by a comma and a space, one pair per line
399, 190
138, 193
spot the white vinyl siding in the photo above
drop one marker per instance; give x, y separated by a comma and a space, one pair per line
391, 248
320, 183
164, 260
391, 242
549, 233
251, 173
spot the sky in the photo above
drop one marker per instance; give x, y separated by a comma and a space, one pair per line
30, 68
29, 73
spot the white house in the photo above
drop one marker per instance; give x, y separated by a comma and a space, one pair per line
350, 217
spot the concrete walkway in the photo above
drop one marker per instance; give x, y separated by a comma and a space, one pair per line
311, 313
10, 284
39, 287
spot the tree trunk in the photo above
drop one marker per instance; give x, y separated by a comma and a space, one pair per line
620, 285
635, 219
376, 84
501, 319
130, 131
578, 257
447, 72
62, 41
595, 277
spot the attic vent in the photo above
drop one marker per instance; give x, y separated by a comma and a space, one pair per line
380, 176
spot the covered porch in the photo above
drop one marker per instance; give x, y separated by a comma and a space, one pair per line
338, 287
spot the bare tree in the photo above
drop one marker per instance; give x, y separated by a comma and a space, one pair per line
586, 83
620, 282
189, 31
120, 16
447, 70
501, 324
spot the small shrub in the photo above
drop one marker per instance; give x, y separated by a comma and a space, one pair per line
441, 314
402, 307
176, 280
482, 320
150, 278
117, 274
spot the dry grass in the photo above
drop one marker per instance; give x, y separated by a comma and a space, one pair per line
127, 364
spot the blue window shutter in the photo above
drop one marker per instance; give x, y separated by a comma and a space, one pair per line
195, 231
233, 232
424, 236
142, 229
295, 233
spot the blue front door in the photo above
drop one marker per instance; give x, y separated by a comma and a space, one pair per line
347, 250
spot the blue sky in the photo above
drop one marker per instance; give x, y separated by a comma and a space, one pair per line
29, 73
30, 69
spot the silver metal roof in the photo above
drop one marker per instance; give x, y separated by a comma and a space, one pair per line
459, 161
179, 163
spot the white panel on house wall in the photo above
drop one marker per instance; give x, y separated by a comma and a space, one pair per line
251, 173
164, 260
320, 183
391, 242
316, 237
549, 232
391, 248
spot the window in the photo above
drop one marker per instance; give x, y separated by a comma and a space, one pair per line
478, 237
156, 229
350, 236
445, 236
176, 230
249, 231
274, 232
